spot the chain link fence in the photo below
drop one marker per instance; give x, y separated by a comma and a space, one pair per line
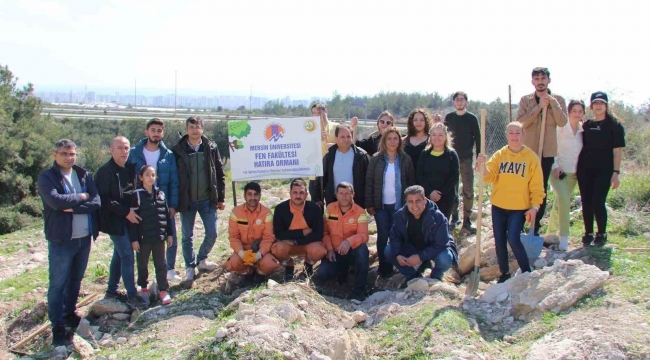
495, 127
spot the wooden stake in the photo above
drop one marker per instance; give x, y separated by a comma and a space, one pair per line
85, 301
540, 147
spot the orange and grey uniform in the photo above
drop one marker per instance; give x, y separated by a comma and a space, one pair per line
288, 225
351, 226
244, 227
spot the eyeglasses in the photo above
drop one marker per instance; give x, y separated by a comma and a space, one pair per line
385, 122
66, 154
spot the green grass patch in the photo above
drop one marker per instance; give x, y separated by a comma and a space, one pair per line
23, 283
633, 194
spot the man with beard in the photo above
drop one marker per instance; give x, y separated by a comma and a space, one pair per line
250, 231
345, 237
466, 132
530, 116
298, 228
151, 150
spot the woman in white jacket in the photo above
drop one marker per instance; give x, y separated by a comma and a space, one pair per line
564, 178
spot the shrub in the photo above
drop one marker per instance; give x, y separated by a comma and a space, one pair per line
11, 220
633, 194
32, 206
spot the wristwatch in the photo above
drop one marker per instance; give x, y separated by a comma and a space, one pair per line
617, 171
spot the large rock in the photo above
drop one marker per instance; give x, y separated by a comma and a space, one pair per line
420, 285
549, 289
378, 297
386, 310
488, 253
84, 329
445, 288
452, 276
108, 306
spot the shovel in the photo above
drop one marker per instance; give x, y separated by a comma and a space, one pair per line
532, 244
472, 286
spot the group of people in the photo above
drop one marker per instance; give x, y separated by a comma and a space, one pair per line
410, 184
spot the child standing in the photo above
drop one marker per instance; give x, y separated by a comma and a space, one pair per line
148, 237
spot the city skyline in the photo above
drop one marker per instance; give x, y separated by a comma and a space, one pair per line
310, 49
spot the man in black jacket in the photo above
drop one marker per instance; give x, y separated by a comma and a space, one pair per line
70, 200
298, 228
344, 161
466, 132
116, 181
201, 183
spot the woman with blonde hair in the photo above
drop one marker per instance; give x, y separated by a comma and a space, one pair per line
438, 170
389, 173
418, 126
515, 173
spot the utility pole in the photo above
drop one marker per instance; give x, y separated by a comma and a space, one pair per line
135, 97
175, 89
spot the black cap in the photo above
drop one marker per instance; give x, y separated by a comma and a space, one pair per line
599, 96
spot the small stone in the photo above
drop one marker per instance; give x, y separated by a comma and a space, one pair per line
108, 306
318, 356
502, 297
446, 288
39, 257
647, 305
97, 335
483, 286
349, 323
286, 335
120, 340
231, 323
221, 333
359, 316
510, 339
84, 328
540, 263
271, 284
100, 357
355, 302
419, 285
121, 316
61, 351
288, 355
303, 304
82, 347
112, 357
401, 296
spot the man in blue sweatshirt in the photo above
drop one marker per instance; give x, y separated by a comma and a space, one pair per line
151, 150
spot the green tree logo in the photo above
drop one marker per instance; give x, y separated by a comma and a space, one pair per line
238, 129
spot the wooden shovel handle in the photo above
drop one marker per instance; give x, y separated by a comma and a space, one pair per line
479, 218
542, 133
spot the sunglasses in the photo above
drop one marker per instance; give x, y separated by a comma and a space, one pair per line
385, 122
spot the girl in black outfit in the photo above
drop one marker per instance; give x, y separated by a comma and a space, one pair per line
418, 125
438, 170
371, 144
598, 166
148, 237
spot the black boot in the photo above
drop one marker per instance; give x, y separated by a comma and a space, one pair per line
504, 278
467, 225
601, 239
59, 337
288, 273
587, 239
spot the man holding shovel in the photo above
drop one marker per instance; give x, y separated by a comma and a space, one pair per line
541, 113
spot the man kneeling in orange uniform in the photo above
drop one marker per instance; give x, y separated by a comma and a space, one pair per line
250, 230
298, 226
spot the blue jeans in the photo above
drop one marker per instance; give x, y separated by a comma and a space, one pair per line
67, 265
358, 256
507, 226
171, 251
443, 261
384, 220
209, 217
122, 264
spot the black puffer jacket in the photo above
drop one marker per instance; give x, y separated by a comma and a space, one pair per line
359, 167
115, 185
152, 208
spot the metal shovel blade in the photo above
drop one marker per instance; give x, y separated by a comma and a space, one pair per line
472, 285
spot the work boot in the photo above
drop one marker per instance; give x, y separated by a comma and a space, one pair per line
503, 278
288, 273
136, 302
467, 225
600, 240
59, 337
118, 295
207, 266
587, 239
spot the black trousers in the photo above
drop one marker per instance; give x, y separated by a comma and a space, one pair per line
547, 164
157, 250
594, 186
446, 207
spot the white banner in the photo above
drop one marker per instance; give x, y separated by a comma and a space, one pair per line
275, 148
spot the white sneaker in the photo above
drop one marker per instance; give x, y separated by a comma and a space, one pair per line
173, 276
189, 274
207, 266
564, 243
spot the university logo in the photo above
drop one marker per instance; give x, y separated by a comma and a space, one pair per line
274, 132
310, 125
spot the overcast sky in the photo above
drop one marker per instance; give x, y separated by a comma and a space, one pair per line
312, 48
